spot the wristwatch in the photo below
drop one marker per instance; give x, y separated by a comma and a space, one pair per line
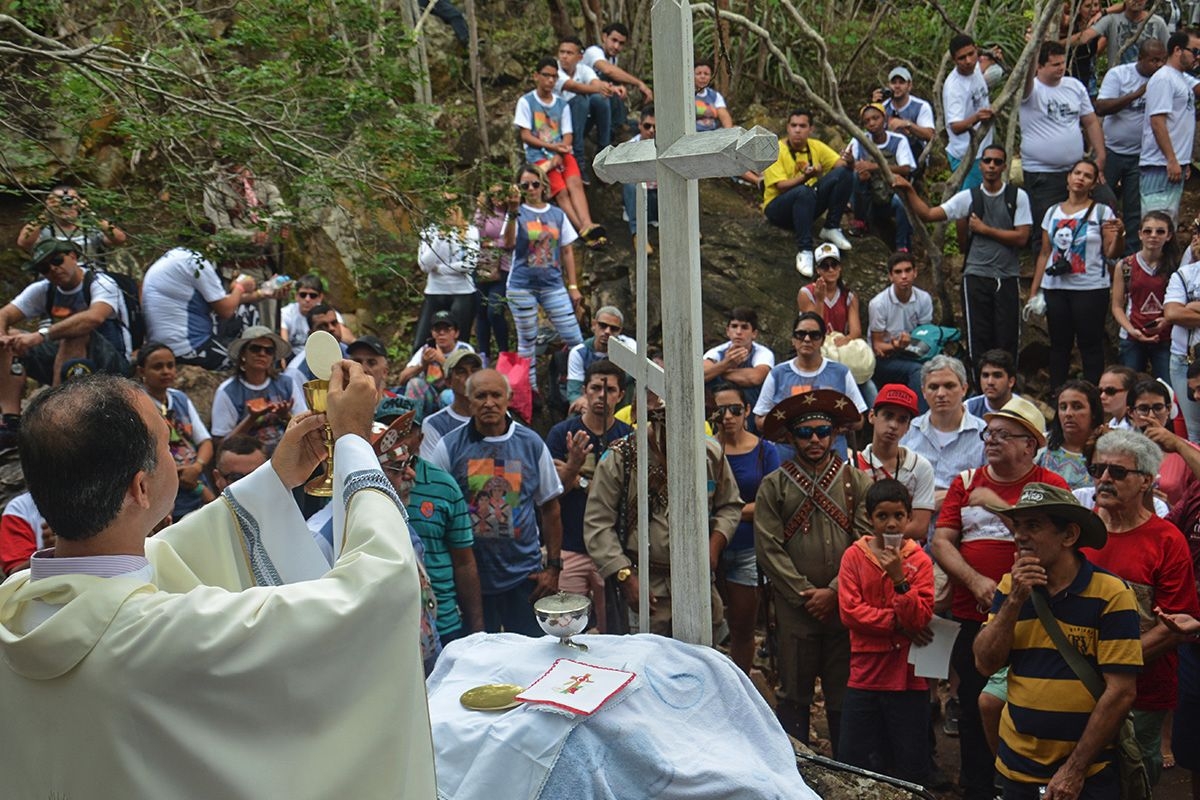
45, 332
623, 574
554, 563
901, 587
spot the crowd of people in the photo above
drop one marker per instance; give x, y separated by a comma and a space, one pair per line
855, 489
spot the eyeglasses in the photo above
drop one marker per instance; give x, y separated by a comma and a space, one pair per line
308, 295
53, 261
991, 160
1194, 51
808, 431
814, 335
1154, 231
604, 326
1003, 437
261, 349
1109, 391
232, 477
1118, 472
736, 410
1147, 408
527, 185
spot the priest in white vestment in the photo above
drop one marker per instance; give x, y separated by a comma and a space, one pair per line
223, 658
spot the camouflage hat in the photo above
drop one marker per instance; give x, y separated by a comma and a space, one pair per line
47, 249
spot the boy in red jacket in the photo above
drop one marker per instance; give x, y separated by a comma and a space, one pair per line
885, 595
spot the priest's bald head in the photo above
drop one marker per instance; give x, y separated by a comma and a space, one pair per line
96, 457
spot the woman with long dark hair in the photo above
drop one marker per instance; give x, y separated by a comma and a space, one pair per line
1139, 292
1077, 235
751, 458
1079, 413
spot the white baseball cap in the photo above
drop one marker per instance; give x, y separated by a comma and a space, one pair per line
900, 71
827, 250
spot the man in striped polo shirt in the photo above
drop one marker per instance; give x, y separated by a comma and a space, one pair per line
1053, 732
438, 513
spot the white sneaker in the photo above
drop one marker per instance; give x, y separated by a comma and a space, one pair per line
804, 263
836, 237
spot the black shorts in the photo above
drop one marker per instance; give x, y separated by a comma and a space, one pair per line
210, 355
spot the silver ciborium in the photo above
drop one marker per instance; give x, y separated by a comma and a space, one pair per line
563, 615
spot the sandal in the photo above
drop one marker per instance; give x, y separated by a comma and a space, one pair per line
594, 232
1168, 761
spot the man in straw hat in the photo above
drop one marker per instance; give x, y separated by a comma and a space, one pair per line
1054, 732
974, 547
806, 514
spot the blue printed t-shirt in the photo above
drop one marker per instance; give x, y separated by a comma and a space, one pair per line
541, 235
438, 513
708, 100
176, 294
749, 469
504, 479
574, 502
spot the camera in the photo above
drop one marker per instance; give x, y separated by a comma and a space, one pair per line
1060, 266
887, 93
68, 200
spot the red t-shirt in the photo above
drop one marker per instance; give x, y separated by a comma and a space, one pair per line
1153, 559
986, 543
20, 532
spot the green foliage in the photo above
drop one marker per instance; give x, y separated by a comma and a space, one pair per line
317, 96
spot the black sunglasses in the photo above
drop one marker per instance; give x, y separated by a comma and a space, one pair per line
808, 431
991, 160
53, 261
604, 326
802, 335
307, 294
261, 349
1118, 472
1109, 391
736, 410
527, 185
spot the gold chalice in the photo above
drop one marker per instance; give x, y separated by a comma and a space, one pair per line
316, 392
322, 351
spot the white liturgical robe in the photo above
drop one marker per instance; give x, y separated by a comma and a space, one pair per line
243, 668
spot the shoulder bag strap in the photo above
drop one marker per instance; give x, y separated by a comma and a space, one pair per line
1075, 660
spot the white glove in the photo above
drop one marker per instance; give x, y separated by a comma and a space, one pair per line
1036, 305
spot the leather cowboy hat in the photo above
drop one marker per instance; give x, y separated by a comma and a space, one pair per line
828, 403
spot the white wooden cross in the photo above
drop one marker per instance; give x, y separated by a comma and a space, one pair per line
677, 157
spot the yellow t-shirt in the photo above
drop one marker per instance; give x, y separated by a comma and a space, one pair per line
784, 168
626, 415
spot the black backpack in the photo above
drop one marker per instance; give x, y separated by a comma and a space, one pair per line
1010, 204
131, 293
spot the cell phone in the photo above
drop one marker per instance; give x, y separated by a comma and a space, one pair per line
430, 342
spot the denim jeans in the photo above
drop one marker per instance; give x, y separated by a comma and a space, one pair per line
512, 611
872, 212
1136, 355
799, 207
898, 369
1190, 409
589, 111
1122, 175
629, 200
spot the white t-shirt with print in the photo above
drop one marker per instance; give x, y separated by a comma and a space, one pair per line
1169, 92
1082, 247
962, 96
1051, 140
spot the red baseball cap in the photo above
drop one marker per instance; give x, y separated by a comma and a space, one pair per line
897, 394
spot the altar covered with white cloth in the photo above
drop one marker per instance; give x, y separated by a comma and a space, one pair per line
689, 725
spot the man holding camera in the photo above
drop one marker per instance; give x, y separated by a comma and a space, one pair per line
67, 218
907, 115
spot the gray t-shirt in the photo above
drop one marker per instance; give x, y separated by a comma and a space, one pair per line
1118, 28
989, 258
